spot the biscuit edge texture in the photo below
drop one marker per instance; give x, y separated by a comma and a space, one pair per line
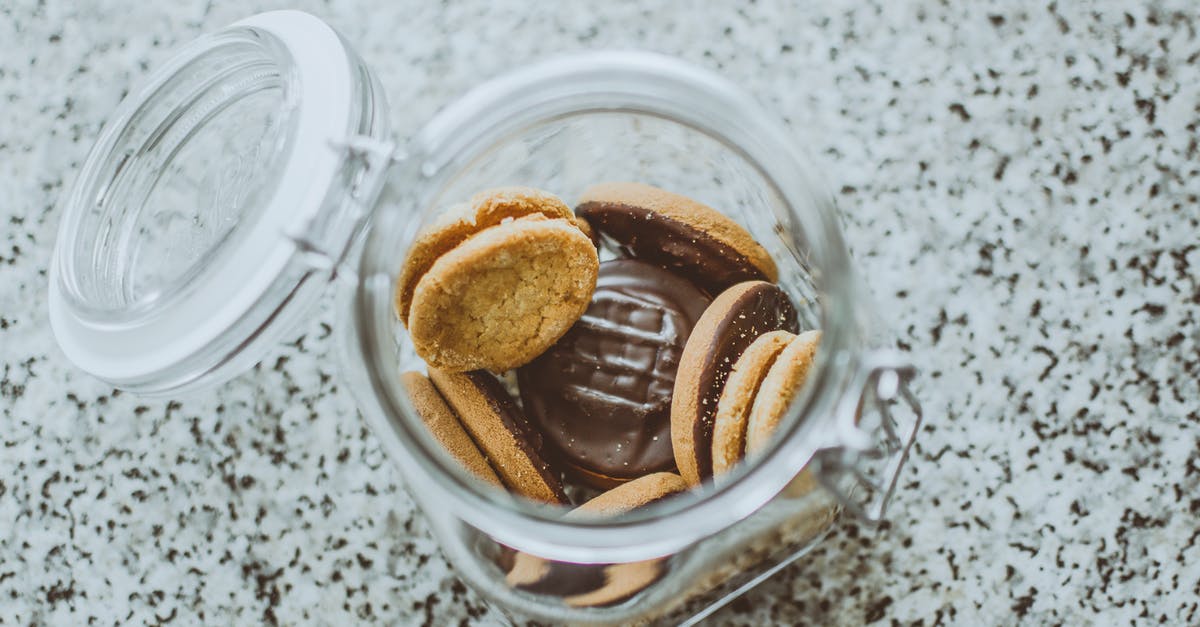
504, 296
460, 221
446, 428
737, 399
779, 387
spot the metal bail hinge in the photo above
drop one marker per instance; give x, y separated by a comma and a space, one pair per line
325, 240
876, 428
374, 154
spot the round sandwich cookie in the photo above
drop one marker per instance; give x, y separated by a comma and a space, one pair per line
779, 387
503, 296
501, 430
456, 224
733, 410
677, 233
602, 395
445, 426
730, 324
640, 492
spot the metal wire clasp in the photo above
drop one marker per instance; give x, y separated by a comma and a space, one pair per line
875, 430
365, 163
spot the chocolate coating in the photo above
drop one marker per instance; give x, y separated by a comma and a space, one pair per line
556, 579
527, 437
602, 394
582, 585
671, 244
761, 309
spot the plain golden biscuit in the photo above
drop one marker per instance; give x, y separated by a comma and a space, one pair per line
733, 411
455, 225
445, 426
779, 387
503, 296
631, 495
501, 430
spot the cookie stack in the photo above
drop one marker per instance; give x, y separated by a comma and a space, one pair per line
642, 376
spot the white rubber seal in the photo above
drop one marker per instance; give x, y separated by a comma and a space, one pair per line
181, 330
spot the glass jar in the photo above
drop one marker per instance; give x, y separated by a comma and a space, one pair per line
255, 169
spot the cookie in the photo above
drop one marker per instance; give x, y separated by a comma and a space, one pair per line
632, 495
458, 223
598, 585
445, 426
501, 430
729, 325
587, 230
621, 582
602, 394
802, 484
503, 296
677, 233
582, 585
733, 410
779, 387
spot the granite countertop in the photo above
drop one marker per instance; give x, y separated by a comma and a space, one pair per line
1018, 181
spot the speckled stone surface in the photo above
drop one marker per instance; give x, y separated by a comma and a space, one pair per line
1019, 184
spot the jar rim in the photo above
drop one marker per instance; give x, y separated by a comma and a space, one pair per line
633, 82
212, 320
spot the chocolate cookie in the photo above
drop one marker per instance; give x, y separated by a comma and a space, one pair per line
455, 225
445, 426
503, 296
582, 585
677, 233
730, 324
733, 410
779, 387
497, 425
602, 394
598, 585
621, 582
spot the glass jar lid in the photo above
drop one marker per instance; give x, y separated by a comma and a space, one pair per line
213, 206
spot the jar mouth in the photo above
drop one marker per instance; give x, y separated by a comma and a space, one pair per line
193, 236
180, 169
597, 84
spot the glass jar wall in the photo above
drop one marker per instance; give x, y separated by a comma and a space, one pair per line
562, 126
255, 168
